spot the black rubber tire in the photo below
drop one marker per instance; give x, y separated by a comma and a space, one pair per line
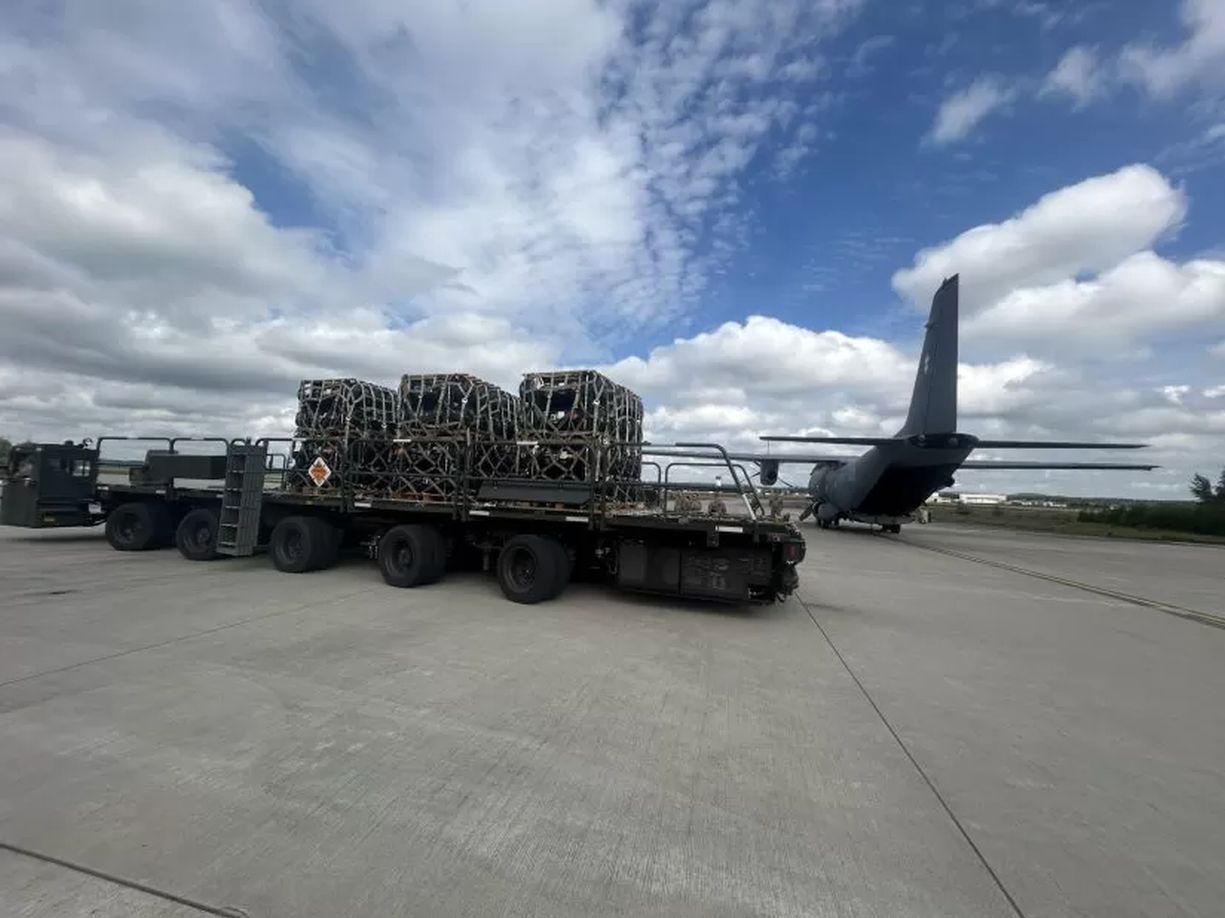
196, 535
294, 544
325, 545
893, 529
138, 526
531, 569
411, 555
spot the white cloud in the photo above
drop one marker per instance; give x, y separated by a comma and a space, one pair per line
1200, 58
862, 61
1215, 392
1077, 75
961, 112
991, 390
1075, 271
1175, 394
1142, 295
766, 354
1079, 229
764, 374
222, 199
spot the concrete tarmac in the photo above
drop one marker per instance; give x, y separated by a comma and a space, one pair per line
914, 734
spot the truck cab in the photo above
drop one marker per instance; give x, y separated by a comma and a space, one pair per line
48, 485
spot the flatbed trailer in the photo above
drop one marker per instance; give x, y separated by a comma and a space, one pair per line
535, 535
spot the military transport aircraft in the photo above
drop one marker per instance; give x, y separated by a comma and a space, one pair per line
888, 483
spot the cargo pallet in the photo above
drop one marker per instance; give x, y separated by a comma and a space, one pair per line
273, 495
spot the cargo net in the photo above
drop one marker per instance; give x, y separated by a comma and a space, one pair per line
455, 404
566, 409
578, 461
462, 406
426, 469
347, 423
345, 408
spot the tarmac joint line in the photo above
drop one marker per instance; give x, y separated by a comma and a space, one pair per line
982, 858
228, 911
1195, 615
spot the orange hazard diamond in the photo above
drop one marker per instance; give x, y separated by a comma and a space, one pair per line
319, 472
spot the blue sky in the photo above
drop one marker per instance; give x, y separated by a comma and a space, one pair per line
739, 208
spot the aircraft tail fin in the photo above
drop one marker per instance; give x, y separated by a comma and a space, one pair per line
933, 404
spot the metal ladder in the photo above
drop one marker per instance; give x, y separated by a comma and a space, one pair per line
242, 498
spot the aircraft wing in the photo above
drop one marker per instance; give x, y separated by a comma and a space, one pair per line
1001, 466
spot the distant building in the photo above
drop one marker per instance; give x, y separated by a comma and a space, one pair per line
956, 497
984, 499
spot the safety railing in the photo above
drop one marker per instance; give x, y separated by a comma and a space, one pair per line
454, 469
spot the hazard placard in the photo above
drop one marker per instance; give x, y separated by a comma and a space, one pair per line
319, 472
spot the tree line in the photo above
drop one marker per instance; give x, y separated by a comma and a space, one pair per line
1204, 517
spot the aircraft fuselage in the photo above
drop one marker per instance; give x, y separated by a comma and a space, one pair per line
888, 483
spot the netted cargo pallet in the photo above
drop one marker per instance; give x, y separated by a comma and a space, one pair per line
385, 468
579, 402
427, 469
572, 404
345, 408
463, 406
455, 404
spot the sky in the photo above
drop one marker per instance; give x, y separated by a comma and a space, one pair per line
738, 208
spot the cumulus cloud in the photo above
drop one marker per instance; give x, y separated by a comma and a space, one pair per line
963, 111
1082, 228
1142, 295
765, 375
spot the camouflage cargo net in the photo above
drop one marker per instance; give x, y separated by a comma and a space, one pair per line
582, 405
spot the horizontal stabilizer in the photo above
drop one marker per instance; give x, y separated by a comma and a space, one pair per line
1002, 466
801, 458
1053, 444
854, 441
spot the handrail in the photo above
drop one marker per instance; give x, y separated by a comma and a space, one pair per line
98, 443
695, 464
756, 510
265, 442
462, 476
224, 442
